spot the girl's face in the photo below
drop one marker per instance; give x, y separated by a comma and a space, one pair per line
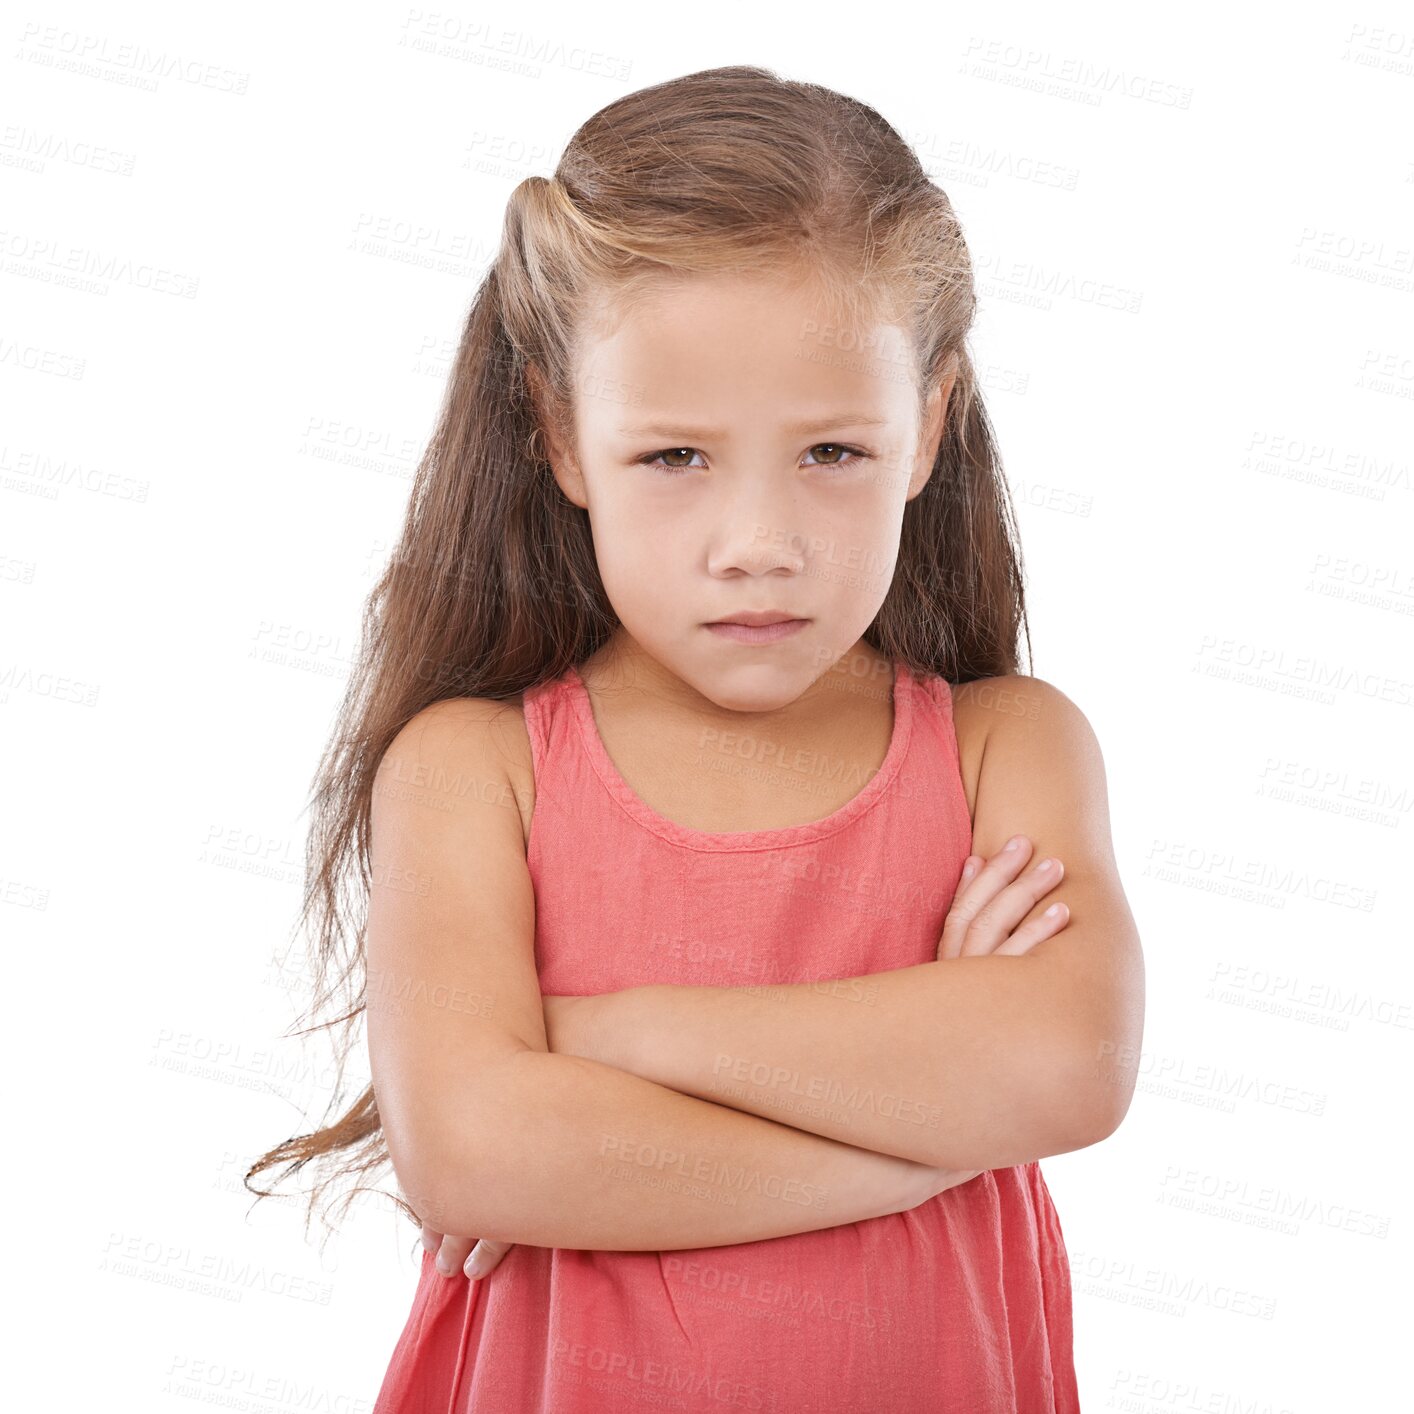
741, 452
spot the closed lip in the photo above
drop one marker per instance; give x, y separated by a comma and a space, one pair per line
759, 618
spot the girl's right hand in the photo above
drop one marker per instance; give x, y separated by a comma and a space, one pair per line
454, 1253
991, 900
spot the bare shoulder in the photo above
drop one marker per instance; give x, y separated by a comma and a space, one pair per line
1015, 704
1039, 769
467, 743
1012, 712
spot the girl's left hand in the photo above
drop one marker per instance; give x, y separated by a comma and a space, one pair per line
993, 898
466, 1254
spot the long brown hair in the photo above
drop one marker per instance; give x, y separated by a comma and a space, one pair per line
494, 588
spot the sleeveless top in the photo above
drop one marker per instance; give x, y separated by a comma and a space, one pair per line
961, 1305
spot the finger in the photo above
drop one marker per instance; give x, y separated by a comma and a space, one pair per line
984, 886
486, 1257
970, 866
454, 1251
431, 1238
996, 920
1034, 930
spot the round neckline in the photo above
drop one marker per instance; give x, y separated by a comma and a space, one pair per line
635, 806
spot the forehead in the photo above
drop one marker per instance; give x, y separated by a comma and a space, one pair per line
756, 344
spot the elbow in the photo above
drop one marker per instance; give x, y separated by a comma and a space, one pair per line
430, 1177
465, 1189
457, 1161
1100, 1088
426, 1190
452, 1181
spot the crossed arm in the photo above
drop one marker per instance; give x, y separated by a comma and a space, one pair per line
509, 1124
969, 1063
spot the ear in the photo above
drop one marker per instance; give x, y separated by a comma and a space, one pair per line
934, 420
566, 470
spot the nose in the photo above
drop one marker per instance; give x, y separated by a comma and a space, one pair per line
757, 547
757, 534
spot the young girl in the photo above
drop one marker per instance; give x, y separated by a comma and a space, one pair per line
715, 974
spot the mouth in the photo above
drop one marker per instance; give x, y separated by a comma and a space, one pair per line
763, 627
757, 618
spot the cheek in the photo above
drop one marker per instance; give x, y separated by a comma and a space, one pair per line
628, 518
854, 551
641, 548
865, 524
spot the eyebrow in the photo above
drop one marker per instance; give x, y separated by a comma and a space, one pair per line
707, 434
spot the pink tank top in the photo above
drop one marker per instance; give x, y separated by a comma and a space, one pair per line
959, 1306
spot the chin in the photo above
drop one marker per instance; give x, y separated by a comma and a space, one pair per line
756, 687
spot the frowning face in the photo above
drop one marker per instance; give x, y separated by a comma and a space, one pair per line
744, 455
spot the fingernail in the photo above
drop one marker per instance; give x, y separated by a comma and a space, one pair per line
476, 1263
428, 1245
442, 1266
1014, 842
968, 870
1044, 865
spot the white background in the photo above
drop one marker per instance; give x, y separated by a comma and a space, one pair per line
238, 244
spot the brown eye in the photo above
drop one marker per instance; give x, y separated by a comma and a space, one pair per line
839, 449
660, 462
